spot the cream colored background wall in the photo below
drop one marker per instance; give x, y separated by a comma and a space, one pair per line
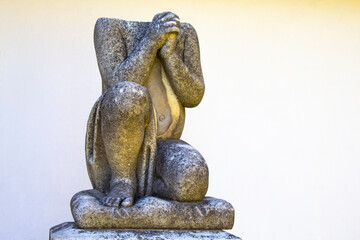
279, 124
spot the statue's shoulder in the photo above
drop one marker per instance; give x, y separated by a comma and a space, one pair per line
116, 23
105, 27
188, 30
187, 27
106, 24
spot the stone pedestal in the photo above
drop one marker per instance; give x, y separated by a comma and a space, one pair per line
69, 231
151, 213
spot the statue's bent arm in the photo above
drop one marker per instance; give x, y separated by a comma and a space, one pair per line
114, 64
185, 74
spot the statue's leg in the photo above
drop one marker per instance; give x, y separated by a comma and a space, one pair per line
124, 112
182, 173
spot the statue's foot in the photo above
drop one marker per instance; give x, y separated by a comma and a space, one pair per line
120, 194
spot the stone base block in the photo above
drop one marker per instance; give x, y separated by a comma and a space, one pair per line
69, 231
151, 213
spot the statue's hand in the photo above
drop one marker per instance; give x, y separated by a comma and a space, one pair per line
168, 48
163, 26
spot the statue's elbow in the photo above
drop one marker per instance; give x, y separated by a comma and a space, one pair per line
194, 97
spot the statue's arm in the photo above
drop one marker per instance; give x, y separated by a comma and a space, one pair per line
114, 64
185, 74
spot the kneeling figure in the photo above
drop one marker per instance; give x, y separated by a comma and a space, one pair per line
150, 72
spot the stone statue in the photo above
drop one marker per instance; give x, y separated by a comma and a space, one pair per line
150, 71
143, 175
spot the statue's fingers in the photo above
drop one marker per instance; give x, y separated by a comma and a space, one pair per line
173, 20
168, 16
173, 29
170, 24
159, 15
177, 20
176, 16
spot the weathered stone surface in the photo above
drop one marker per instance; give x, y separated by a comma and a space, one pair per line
68, 231
151, 213
143, 175
150, 72
181, 173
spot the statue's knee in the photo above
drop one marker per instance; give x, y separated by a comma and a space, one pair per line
193, 180
184, 170
125, 99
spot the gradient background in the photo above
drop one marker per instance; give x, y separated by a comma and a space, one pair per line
278, 126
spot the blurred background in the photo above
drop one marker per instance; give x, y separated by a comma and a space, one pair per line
278, 126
